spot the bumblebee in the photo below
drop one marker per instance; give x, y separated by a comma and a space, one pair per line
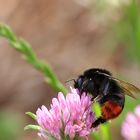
108, 91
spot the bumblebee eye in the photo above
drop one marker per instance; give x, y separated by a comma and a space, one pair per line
78, 83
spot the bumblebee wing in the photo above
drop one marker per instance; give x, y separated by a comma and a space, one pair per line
128, 88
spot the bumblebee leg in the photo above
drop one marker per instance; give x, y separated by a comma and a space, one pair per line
99, 121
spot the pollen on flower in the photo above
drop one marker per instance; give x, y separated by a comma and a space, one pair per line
69, 116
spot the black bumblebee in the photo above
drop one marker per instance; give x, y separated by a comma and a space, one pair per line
108, 91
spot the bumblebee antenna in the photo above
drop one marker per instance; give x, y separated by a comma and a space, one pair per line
69, 80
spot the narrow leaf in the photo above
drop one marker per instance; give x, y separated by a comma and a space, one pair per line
32, 115
30, 126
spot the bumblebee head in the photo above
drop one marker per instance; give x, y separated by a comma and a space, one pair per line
84, 84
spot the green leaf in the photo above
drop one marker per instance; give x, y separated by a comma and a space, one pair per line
30, 126
32, 115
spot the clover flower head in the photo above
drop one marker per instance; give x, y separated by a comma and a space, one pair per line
131, 125
69, 117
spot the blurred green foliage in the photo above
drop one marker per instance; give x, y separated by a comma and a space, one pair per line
126, 30
10, 125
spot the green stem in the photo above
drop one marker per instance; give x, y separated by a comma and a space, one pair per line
23, 47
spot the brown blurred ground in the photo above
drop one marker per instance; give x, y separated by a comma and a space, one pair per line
69, 36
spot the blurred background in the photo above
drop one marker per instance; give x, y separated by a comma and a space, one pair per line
71, 35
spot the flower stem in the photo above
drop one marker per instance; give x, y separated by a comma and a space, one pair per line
25, 49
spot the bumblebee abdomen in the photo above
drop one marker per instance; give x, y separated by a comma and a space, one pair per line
110, 110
